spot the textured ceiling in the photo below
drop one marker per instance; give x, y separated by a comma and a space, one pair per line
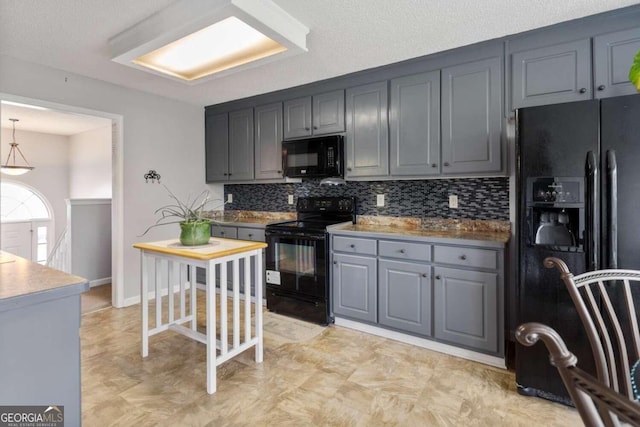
345, 36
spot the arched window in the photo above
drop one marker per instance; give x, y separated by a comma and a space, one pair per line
22, 210
20, 203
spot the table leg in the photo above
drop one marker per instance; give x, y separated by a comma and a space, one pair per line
144, 291
210, 296
258, 305
194, 297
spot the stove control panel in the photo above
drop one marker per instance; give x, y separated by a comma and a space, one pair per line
326, 204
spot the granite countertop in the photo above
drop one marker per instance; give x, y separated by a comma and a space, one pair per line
486, 231
20, 277
249, 218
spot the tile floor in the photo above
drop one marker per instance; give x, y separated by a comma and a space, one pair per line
335, 377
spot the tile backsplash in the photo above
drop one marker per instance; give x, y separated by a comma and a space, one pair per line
478, 198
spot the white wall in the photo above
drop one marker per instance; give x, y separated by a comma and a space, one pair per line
159, 134
90, 164
49, 155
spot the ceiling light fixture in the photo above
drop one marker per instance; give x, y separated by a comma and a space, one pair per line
13, 169
195, 40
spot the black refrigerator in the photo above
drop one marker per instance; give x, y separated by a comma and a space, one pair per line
578, 183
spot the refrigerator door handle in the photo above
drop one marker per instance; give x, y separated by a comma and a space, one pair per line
592, 235
612, 209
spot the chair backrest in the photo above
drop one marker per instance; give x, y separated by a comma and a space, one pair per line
604, 302
597, 403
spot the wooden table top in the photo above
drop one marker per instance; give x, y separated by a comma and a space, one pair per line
216, 248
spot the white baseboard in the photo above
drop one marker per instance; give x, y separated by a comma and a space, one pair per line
424, 343
99, 282
152, 295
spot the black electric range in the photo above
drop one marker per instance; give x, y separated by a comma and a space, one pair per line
297, 258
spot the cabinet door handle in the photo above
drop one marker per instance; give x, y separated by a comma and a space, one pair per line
583, 90
225, 174
434, 165
335, 262
307, 129
349, 169
438, 277
446, 163
463, 257
315, 127
601, 87
401, 251
279, 171
424, 274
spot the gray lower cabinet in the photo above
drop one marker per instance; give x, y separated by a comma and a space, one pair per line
230, 232
472, 117
367, 137
355, 287
465, 308
552, 74
241, 145
414, 124
447, 292
404, 296
612, 55
268, 141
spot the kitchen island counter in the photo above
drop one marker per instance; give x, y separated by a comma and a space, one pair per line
40, 335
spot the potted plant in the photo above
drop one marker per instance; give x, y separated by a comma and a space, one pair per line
194, 228
634, 72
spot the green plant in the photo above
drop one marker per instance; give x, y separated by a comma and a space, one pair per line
180, 212
634, 72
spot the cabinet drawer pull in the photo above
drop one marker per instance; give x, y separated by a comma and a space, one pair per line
222, 233
583, 90
352, 245
438, 277
601, 87
401, 251
463, 257
250, 234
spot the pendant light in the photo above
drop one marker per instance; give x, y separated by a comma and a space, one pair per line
13, 168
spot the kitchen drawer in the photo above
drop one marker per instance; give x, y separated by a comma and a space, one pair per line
354, 245
253, 234
405, 250
467, 257
222, 231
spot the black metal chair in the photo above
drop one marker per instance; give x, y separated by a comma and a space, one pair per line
604, 302
597, 403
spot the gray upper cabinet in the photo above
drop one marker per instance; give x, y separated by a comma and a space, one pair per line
328, 113
241, 145
216, 147
472, 117
318, 115
414, 122
612, 57
552, 74
465, 309
367, 138
297, 118
405, 296
268, 141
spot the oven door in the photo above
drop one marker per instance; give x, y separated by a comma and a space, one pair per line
297, 262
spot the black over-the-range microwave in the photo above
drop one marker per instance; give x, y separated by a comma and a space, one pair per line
320, 157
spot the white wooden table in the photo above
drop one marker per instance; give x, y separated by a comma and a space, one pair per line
168, 262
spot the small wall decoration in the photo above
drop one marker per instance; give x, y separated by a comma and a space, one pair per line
152, 175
